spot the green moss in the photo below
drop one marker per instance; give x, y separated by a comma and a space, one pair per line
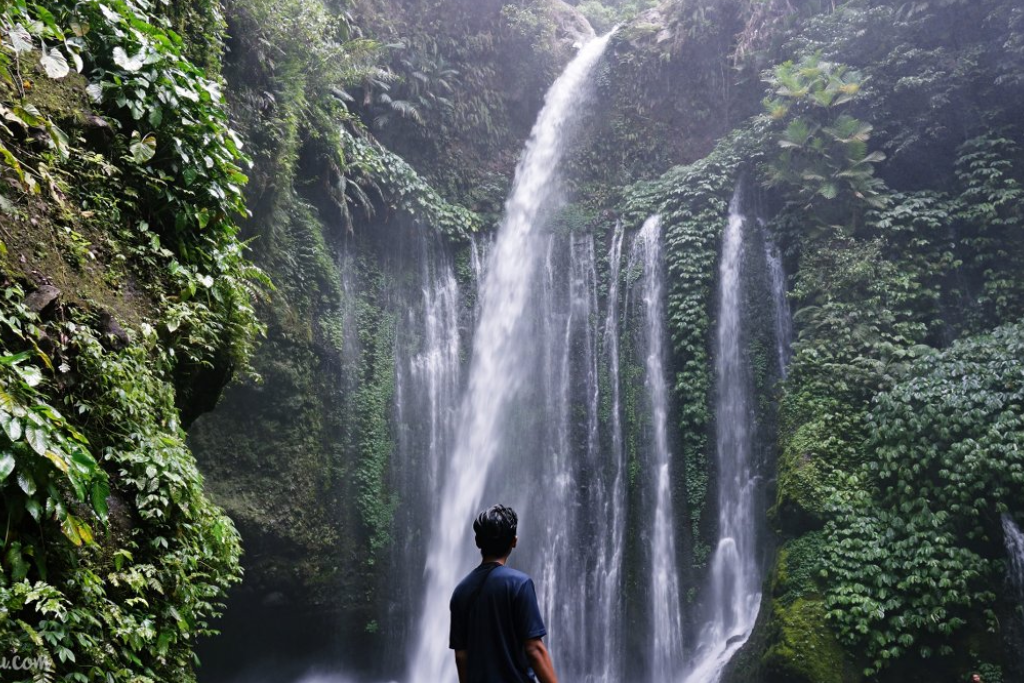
64, 101
805, 649
375, 399
803, 475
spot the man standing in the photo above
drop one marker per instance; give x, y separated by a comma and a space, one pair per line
496, 626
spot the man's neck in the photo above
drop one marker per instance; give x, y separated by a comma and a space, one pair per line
491, 560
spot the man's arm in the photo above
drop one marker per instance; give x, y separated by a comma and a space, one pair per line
540, 661
461, 662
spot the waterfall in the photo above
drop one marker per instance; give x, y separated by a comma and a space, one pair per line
1013, 537
577, 562
611, 510
436, 368
495, 375
783, 319
734, 597
666, 626
1014, 540
427, 384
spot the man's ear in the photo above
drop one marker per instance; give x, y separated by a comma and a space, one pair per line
514, 541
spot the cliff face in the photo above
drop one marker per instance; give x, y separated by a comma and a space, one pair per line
304, 460
127, 306
676, 121
880, 148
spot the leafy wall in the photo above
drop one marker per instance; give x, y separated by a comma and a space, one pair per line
127, 304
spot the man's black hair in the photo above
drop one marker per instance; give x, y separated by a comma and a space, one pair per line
495, 530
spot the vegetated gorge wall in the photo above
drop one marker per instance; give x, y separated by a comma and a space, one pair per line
661, 100
886, 456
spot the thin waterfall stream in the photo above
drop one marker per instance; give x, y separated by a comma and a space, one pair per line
610, 555
1013, 538
783, 317
734, 595
427, 386
666, 627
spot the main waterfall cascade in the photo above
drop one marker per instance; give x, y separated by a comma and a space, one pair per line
734, 594
557, 450
566, 323
496, 373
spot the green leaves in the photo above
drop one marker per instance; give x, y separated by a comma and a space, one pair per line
129, 64
6, 465
824, 154
11, 424
20, 39
798, 134
143, 149
42, 449
88, 425
944, 451
54, 63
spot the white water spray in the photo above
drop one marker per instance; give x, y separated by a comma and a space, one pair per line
494, 378
609, 559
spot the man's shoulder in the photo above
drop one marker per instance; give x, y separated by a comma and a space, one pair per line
511, 574
501, 576
512, 579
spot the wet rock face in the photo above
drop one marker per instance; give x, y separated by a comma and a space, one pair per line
41, 299
113, 333
573, 29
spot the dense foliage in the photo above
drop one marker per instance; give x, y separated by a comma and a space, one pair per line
122, 187
882, 444
911, 561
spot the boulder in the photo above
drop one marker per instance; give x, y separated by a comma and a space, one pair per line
42, 298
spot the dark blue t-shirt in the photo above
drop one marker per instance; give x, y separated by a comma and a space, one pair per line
493, 626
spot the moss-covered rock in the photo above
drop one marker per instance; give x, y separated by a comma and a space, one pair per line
805, 649
804, 477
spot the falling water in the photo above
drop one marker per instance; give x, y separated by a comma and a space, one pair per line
436, 367
495, 377
1013, 537
427, 384
608, 567
578, 562
735, 590
666, 627
610, 341
783, 319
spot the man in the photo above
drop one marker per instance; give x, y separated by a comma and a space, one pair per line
496, 626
